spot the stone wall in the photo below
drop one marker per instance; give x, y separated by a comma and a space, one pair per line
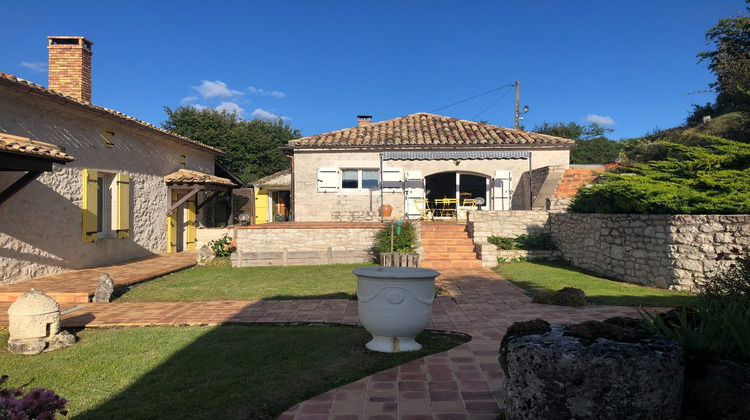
666, 251
260, 246
483, 224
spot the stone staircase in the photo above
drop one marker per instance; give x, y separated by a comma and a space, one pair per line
448, 245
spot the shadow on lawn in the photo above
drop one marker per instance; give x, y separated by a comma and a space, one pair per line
250, 371
337, 295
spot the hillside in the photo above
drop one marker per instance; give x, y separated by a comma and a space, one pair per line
685, 170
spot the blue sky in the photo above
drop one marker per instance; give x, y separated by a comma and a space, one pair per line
627, 64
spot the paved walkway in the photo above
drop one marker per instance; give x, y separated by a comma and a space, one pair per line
77, 286
463, 383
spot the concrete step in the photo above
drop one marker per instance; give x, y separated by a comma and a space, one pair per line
438, 264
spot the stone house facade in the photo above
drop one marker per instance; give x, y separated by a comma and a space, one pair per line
132, 190
338, 176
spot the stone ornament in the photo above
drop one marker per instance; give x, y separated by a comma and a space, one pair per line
104, 289
33, 321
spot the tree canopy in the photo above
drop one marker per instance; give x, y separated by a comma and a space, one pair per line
252, 147
592, 145
729, 61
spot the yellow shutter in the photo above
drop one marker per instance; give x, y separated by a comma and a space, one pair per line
261, 206
190, 231
172, 227
123, 206
90, 205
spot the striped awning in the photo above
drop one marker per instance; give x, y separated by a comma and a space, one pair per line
456, 155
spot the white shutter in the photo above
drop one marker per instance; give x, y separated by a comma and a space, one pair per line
501, 192
414, 187
328, 179
393, 179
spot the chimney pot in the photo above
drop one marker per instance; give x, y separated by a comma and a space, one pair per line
364, 120
70, 66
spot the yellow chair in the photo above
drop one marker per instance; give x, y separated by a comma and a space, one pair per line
423, 206
446, 207
466, 205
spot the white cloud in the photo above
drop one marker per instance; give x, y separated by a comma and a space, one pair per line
231, 107
217, 89
598, 119
35, 67
188, 100
265, 115
274, 93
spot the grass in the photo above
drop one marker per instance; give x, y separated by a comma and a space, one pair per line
229, 371
222, 282
544, 277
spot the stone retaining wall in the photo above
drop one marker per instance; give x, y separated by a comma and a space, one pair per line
666, 251
483, 224
303, 246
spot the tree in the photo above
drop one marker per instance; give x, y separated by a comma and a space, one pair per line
592, 146
730, 62
252, 148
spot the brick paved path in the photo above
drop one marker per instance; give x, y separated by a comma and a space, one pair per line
463, 383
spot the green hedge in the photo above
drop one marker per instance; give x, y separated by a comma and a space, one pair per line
709, 175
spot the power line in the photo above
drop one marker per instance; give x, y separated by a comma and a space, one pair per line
493, 104
473, 97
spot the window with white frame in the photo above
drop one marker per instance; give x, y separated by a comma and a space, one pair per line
359, 179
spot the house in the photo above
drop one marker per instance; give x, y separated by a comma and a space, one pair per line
82, 185
417, 160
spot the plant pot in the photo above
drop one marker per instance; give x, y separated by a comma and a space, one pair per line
386, 210
395, 304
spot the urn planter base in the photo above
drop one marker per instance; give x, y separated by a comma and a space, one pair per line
392, 344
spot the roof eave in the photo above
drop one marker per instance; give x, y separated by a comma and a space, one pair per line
100, 112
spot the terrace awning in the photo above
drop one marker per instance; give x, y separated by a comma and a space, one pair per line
456, 154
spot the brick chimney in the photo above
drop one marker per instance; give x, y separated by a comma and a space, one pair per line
364, 120
70, 66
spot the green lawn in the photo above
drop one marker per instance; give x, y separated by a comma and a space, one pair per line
222, 282
543, 277
203, 372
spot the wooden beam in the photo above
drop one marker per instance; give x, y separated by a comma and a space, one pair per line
192, 192
18, 185
16, 162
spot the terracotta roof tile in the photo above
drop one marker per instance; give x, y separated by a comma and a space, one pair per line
428, 130
29, 87
25, 146
187, 176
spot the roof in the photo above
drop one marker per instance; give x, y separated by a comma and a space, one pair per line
33, 148
25, 86
423, 130
187, 176
279, 179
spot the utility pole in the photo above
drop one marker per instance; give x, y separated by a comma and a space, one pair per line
518, 101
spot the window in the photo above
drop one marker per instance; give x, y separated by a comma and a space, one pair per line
106, 205
108, 137
362, 179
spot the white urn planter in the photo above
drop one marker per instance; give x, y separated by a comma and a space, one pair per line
395, 304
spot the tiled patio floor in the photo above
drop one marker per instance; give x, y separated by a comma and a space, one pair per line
76, 286
463, 383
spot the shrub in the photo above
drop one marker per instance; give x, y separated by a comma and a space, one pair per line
38, 403
403, 242
222, 247
701, 175
524, 241
502, 242
567, 296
